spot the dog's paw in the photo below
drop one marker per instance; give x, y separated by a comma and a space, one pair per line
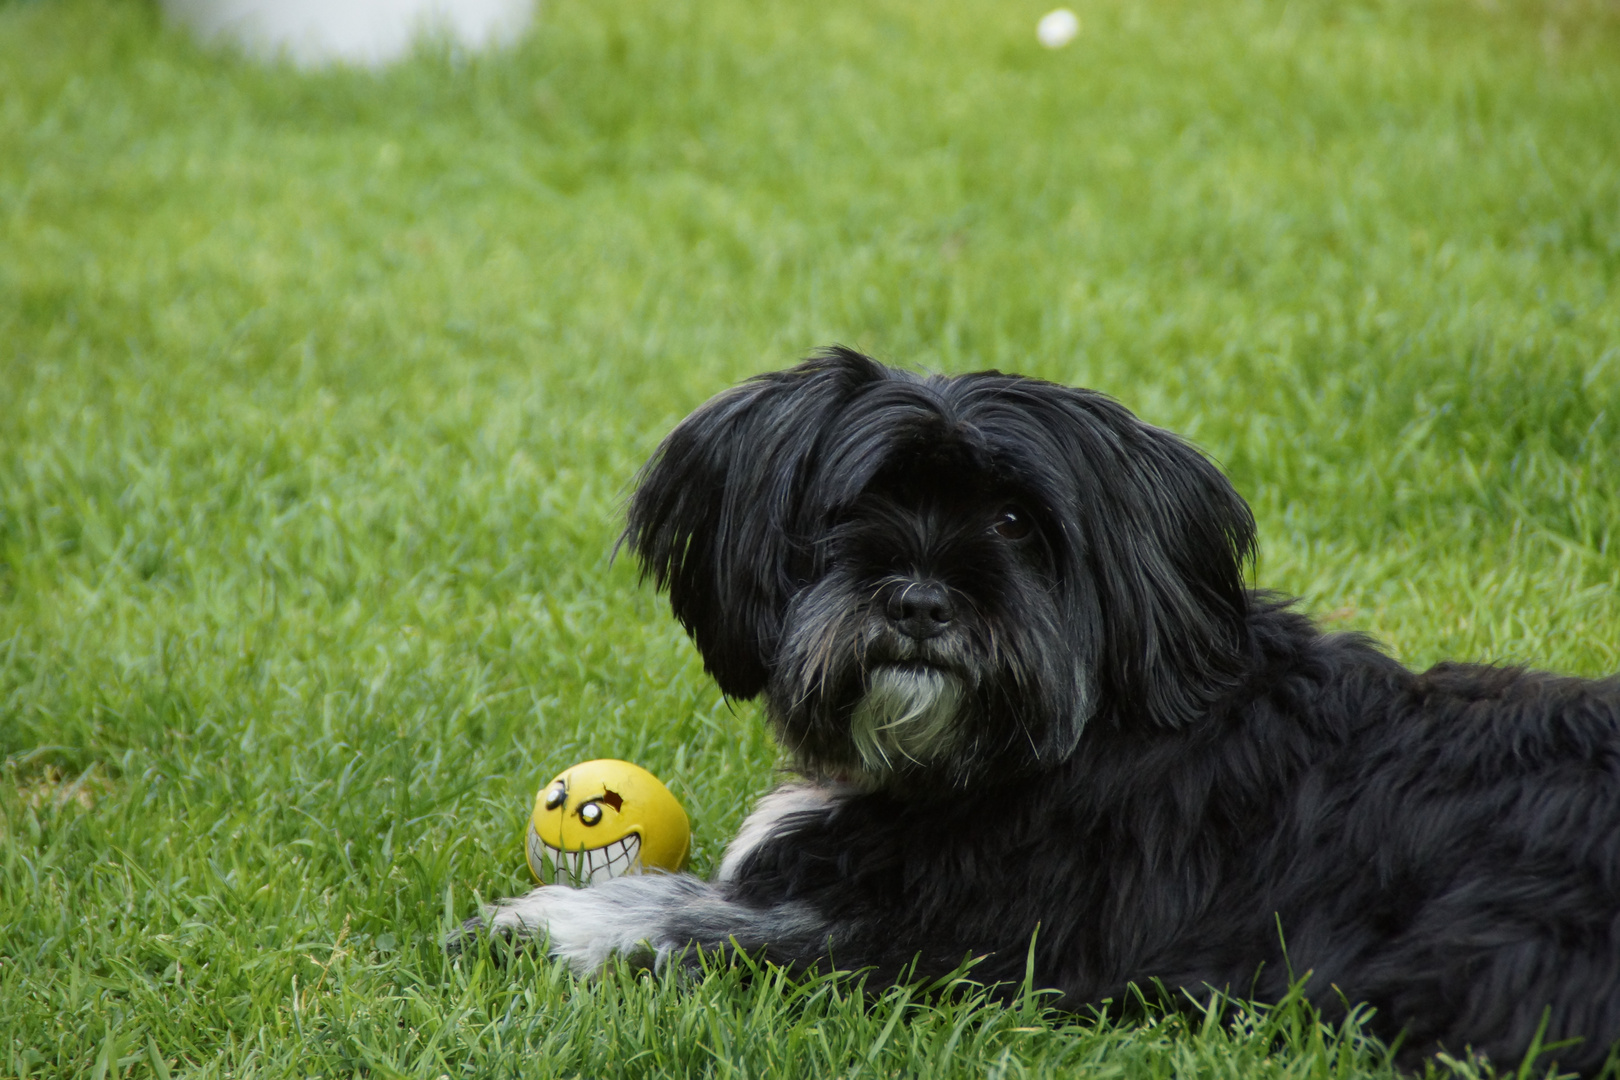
465, 938
509, 922
582, 927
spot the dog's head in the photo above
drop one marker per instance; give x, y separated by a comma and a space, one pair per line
943, 579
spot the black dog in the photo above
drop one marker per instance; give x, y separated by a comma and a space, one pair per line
1002, 630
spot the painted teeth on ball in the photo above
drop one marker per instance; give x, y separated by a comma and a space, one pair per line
584, 866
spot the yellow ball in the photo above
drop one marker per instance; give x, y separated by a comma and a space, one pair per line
604, 819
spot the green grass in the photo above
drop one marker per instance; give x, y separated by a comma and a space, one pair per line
319, 396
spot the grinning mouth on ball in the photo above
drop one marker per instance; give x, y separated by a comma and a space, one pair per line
584, 866
908, 713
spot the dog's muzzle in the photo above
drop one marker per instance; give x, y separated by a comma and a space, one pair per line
909, 713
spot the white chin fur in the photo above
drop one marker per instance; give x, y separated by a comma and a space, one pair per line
908, 714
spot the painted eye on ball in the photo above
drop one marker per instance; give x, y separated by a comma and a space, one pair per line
590, 814
1011, 523
555, 797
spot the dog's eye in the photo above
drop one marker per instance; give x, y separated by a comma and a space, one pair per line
1011, 523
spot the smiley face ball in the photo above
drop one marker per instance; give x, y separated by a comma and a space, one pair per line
605, 819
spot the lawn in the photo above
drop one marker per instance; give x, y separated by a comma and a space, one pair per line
320, 395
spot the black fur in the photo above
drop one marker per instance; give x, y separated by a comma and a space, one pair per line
796, 490
1151, 764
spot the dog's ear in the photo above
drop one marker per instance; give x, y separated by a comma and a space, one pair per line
718, 517
1162, 537
1169, 560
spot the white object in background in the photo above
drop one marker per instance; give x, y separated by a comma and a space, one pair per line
1057, 28
367, 32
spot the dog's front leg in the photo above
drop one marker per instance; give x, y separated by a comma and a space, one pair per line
654, 916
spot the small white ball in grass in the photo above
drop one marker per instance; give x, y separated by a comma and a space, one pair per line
1057, 28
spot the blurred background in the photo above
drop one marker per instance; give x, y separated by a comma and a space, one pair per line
365, 33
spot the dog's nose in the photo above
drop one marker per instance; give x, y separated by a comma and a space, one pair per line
921, 609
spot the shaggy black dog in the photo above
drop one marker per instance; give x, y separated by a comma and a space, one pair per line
1002, 631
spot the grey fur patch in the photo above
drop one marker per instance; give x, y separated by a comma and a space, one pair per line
908, 712
789, 800
655, 916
